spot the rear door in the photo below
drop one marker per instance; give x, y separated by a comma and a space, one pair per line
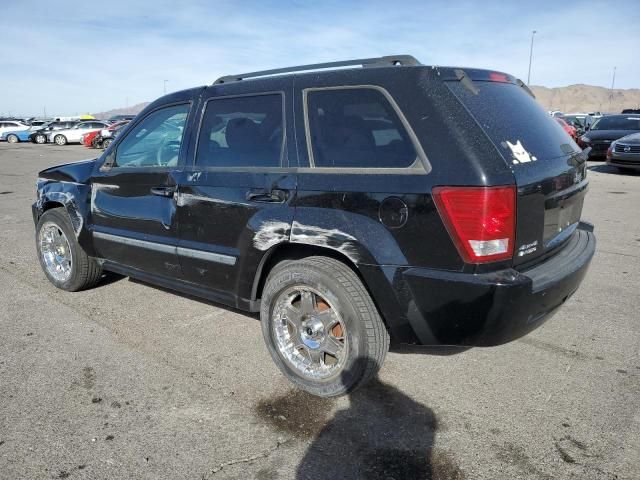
363, 185
234, 202
548, 166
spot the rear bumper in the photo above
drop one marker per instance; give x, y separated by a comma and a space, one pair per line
451, 308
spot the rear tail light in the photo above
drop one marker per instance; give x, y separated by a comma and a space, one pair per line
480, 220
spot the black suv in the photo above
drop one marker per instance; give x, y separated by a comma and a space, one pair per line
433, 206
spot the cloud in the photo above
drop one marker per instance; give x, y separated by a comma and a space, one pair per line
75, 57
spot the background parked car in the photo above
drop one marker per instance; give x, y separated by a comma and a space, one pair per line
570, 129
624, 153
12, 126
106, 135
88, 139
607, 129
15, 136
73, 135
40, 136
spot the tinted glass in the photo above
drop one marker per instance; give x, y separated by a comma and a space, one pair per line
507, 113
357, 128
617, 123
154, 142
242, 132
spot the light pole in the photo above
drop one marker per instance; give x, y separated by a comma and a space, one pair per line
613, 83
533, 34
165, 86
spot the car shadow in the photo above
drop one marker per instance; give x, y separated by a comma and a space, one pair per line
383, 434
108, 278
254, 315
609, 169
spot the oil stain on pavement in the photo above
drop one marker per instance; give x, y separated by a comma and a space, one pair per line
383, 434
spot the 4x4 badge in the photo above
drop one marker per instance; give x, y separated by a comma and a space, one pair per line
519, 153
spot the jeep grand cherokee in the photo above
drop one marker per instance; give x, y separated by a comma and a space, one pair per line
351, 206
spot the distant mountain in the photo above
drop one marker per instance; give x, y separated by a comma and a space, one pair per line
133, 110
586, 98
574, 98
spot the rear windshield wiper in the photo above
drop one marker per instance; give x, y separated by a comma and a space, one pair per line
466, 81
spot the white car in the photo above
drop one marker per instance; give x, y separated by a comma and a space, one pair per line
12, 126
74, 134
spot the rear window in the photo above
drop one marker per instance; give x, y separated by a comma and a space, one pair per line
617, 123
507, 113
356, 128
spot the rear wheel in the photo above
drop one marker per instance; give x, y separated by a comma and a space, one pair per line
12, 138
62, 259
60, 140
106, 142
321, 327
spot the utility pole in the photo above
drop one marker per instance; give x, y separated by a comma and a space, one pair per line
613, 83
165, 86
533, 34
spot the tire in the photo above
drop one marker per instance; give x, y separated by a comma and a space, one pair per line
40, 139
106, 142
60, 140
349, 318
83, 272
12, 138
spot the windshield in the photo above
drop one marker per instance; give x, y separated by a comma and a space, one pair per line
617, 123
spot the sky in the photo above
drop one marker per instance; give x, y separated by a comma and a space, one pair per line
73, 57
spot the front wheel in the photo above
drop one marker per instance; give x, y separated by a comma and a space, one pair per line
12, 138
106, 142
60, 140
62, 259
321, 327
40, 139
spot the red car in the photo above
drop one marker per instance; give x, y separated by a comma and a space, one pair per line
88, 138
570, 129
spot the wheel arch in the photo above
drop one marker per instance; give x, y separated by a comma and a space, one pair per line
377, 282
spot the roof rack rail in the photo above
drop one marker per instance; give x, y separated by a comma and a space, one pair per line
365, 62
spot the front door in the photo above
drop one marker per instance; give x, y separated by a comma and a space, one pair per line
132, 202
234, 201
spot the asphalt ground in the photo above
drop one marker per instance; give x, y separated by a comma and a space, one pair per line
131, 381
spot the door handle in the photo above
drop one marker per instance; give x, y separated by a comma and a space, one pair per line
273, 196
163, 191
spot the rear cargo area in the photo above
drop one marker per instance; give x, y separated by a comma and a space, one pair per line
548, 166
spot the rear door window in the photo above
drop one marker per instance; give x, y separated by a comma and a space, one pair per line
357, 127
246, 131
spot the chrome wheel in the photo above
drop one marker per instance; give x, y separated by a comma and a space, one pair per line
56, 251
12, 139
309, 333
60, 140
41, 139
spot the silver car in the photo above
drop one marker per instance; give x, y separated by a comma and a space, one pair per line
74, 134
